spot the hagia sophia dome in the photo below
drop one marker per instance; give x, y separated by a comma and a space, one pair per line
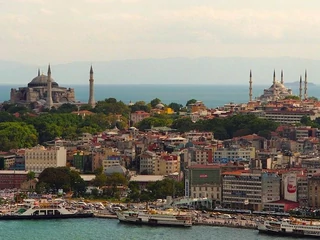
41, 81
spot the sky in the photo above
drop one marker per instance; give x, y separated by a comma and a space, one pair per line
61, 31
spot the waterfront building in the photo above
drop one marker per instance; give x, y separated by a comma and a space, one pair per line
314, 191
37, 90
203, 181
10, 179
144, 180
39, 158
246, 189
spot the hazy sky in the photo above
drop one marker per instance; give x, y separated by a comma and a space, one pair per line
59, 31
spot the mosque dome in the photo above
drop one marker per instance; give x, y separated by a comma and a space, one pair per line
41, 81
160, 106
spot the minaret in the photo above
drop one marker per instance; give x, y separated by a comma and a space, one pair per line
91, 101
282, 77
250, 87
49, 89
38, 72
305, 85
274, 85
274, 77
300, 88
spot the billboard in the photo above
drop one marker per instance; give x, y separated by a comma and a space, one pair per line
290, 187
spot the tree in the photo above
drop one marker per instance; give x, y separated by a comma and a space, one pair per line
313, 98
154, 102
67, 108
175, 106
31, 175
191, 101
294, 97
53, 179
14, 135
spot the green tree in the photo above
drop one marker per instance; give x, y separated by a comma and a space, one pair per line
175, 106
67, 108
154, 102
17, 135
191, 101
31, 175
294, 97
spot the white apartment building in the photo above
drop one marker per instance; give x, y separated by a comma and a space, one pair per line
289, 116
224, 155
39, 158
250, 190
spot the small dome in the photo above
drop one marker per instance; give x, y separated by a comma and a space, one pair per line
41, 81
159, 106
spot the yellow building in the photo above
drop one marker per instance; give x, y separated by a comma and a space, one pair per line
166, 165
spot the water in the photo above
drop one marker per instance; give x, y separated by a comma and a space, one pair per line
92, 229
211, 95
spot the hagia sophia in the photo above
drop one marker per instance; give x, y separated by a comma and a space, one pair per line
277, 90
43, 89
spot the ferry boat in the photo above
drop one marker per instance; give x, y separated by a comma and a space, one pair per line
35, 210
292, 227
156, 217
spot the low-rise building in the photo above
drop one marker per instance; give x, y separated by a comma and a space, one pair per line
12, 179
39, 158
203, 181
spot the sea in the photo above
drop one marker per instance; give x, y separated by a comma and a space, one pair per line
95, 228
211, 95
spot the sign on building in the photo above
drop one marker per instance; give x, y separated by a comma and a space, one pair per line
290, 187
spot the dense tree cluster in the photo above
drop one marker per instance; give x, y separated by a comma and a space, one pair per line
53, 179
224, 128
156, 190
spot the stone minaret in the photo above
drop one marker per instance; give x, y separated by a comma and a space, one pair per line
281, 76
274, 85
250, 87
300, 88
91, 101
305, 85
49, 89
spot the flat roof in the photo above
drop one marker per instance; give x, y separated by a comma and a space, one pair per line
13, 172
146, 178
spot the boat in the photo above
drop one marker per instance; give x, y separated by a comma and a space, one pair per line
156, 217
290, 227
34, 210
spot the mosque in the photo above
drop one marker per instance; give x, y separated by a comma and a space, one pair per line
45, 90
277, 90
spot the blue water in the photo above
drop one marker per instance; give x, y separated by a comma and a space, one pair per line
92, 229
211, 95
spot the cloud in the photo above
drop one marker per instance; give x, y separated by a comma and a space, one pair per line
46, 11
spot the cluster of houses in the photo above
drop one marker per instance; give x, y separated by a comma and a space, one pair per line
248, 172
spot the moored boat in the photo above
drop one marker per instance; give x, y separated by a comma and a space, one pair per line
290, 227
156, 217
35, 210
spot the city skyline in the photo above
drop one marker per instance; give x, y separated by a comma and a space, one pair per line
40, 31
